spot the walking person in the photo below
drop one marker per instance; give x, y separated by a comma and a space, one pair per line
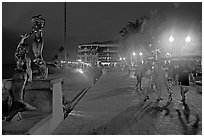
147, 83
192, 76
139, 74
170, 80
159, 79
183, 82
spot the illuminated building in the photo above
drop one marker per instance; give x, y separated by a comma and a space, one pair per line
102, 53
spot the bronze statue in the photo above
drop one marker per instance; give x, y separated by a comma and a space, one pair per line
24, 73
41, 71
22, 76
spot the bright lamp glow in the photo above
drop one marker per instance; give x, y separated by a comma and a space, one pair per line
80, 71
188, 39
123, 58
133, 53
140, 53
120, 58
171, 39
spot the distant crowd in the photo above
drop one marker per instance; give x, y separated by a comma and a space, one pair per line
153, 76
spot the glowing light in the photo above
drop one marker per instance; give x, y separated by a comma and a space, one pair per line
79, 60
62, 61
171, 39
80, 71
168, 54
123, 58
120, 58
133, 53
140, 53
188, 39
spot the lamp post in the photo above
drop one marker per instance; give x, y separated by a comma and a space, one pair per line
141, 56
133, 54
140, 53
171, 40
188, 39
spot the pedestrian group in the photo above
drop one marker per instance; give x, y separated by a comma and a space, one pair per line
154, 77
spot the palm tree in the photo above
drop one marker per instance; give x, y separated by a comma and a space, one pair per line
61, 49
131, 35
132, 27
142, 32
55, 57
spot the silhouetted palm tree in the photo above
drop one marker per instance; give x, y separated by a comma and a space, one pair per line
132, 27
55, 57
61, 49
142, 32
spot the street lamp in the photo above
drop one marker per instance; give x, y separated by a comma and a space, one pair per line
120, 58
123, 58
133, 54
140, 53
188, 39
171, 39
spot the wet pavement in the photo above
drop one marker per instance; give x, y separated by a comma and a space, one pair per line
113, 107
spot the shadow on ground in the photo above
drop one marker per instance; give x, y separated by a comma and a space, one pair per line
114, 92
119, 122
188, 128
134, 115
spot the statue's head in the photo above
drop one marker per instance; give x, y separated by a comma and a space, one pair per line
39, 23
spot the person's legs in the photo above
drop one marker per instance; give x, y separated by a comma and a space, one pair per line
146, 93
169, 90
159, 88
137, 82
184, 89
182, 93
140, 82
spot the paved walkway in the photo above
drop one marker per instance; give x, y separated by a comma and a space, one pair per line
113, 106
73, 82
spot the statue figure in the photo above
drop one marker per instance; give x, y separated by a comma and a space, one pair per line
24, 73
41, 71
22, 76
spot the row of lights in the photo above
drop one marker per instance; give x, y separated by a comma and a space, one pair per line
134, 54
187, 39
122, 58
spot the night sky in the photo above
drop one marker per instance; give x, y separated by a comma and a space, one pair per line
86, 22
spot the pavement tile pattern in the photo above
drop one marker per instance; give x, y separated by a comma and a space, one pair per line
113, 107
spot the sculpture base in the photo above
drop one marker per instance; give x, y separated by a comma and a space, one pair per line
46, 96
24, 126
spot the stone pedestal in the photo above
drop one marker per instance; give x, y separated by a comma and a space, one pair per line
46, 96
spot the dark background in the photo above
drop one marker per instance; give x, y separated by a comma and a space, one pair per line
86, 22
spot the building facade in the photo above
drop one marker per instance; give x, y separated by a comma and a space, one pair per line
98, 53
88, 53
108, 54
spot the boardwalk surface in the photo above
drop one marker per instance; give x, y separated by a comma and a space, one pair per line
113, 107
